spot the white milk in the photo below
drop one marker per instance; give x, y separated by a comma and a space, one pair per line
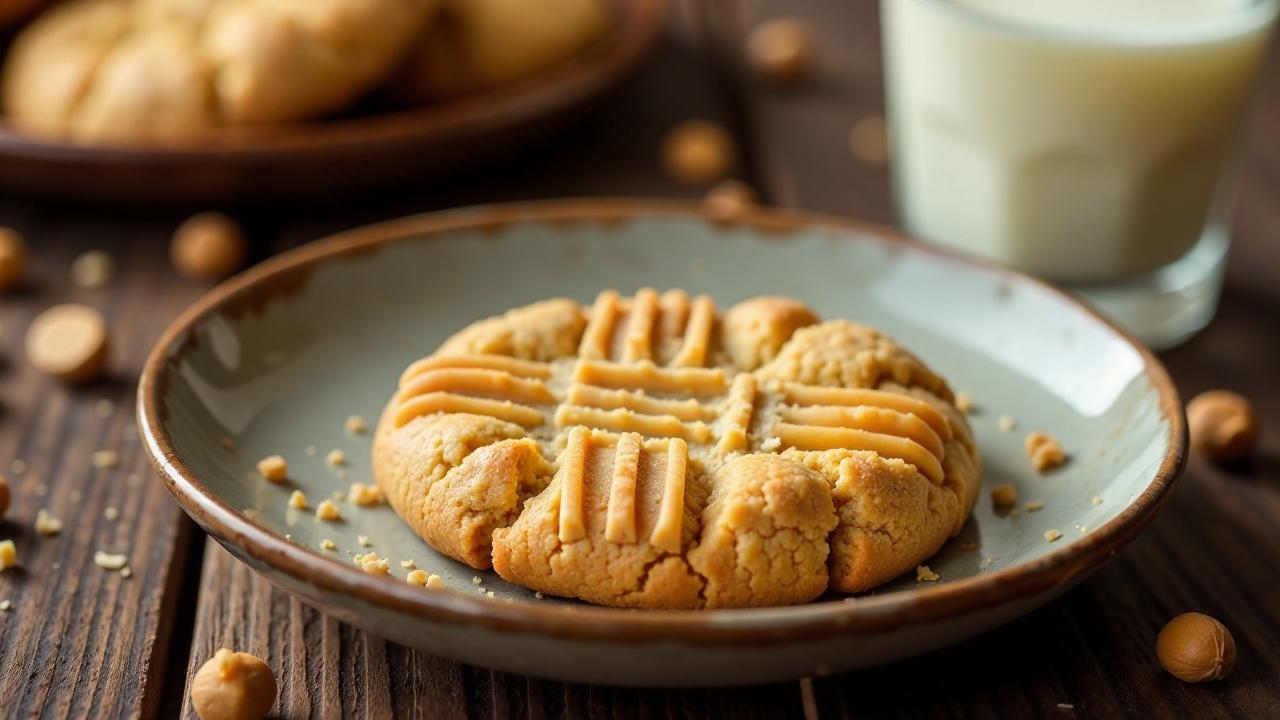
1082, 140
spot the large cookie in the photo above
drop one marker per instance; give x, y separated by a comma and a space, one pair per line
645, 452
155, 69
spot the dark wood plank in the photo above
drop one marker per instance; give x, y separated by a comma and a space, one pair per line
80, 640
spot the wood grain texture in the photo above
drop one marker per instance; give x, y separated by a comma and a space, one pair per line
80, 640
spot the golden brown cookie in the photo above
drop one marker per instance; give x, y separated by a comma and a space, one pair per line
99, 70
647, 452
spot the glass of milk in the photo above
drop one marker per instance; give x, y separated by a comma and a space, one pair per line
1087, 141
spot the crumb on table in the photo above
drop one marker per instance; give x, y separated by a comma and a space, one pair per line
435, 582
372, 564
362, 494
356, 425
1004, 496
417, 577
106, 459
47, 524
363, 540
8, 554
110, 561
273, 468
327, 544
1052, 535
327, 510
297, 500
924, 573
336, 458
1034, 506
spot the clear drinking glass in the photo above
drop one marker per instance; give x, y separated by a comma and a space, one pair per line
1091, 142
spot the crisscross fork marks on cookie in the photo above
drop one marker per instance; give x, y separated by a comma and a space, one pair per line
628, 453
645, 327
890, 424
493, 385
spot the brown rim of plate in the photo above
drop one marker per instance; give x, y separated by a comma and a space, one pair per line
822, 618
578, 77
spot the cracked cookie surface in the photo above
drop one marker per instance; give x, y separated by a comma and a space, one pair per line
648, 452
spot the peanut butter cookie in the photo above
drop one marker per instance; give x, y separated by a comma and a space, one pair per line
645, 452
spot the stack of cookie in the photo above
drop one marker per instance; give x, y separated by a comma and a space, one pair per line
155, 70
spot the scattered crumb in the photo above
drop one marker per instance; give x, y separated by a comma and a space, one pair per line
1096, 500
207, 246
356, 425
68, 342
372, 564
1006, 423
475, 580
1004, 496
435, 582
327, 544
328, 511
111, 513
8, 554
106, 459
964, 402
1083, 529
1066, 706
41, 489
297, 500
311, 450
273, 468
227, 444
104, 408
1045, 452
771, 444
538, 595
126, 572
288, 537
1052, 535
869, 140
336, 458
47, 524
362, 494
924, 573
417, 577
489, 594
1034, 506
363, 540
18, 466
5, 605
92, 270
408, 564
133, 481
109, 561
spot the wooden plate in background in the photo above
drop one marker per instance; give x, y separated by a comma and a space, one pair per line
302, 160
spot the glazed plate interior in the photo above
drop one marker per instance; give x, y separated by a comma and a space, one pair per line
276, 361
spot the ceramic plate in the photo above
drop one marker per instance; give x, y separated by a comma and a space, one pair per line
300, 160
275, 360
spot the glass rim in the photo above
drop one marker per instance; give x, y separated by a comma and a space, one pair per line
1254, 13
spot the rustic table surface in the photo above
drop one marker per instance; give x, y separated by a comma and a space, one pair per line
79, 641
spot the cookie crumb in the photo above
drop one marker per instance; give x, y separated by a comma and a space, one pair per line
356, 425
364, 495
1096, 500
489, 594
273, 468
1066, 706
109, 561
8, 554
435, 582
328, 511
336, 458
297, 500
327, 544
771, 444
1045, 452
106, 459
417, 577
47, 524
133, 480
1006, 423
538, 595
1034, 506
924, 573
288, 537
93, 269
475, 580
207, 246
363, 540
111, 513
372, 564
964, 402
698, 152
68, 342
126, 572
5, 605
104, 408
1004, 496
1052, 535
408, 564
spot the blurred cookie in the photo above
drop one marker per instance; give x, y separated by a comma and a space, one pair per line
114, 70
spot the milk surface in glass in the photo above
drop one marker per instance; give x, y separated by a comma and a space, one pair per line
1083, 140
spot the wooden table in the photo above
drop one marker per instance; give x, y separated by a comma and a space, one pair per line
81, 641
